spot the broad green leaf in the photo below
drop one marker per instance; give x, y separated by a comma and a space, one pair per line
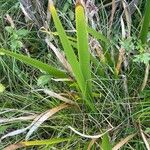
82, 42
71, 57
83, 52
73, 44
36, 63
106, 143
146, 23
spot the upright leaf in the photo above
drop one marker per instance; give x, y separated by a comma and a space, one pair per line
146, 23
82, 42
83, 51
71, 57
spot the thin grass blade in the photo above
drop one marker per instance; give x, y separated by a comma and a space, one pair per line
97, 35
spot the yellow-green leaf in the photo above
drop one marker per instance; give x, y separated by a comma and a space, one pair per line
83, 52
71, 57
37, 143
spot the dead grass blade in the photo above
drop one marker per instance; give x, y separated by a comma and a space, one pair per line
60, 56
39, 120
145, 80
112, 16
89, 136
36, 122
14, 146
127, 16
120, 60
123, 28
122, 142
29, 7
19, 131
23, 118
133, 6
16, 132
91, 144
10, 20
144, 138
58, 96
23, 8
121, 56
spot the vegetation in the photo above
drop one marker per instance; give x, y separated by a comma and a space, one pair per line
74, 76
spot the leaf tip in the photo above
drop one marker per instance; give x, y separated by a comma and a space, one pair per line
50, 4
79, 3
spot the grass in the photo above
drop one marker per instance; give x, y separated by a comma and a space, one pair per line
104, 101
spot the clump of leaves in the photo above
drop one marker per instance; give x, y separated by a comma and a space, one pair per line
16, 37
128, 44
143, 58
79, 58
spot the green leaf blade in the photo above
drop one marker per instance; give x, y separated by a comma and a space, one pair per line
84, 53
97, 35
71, 57
146, 23
82, 42
36, 63
106, 145
46, 142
